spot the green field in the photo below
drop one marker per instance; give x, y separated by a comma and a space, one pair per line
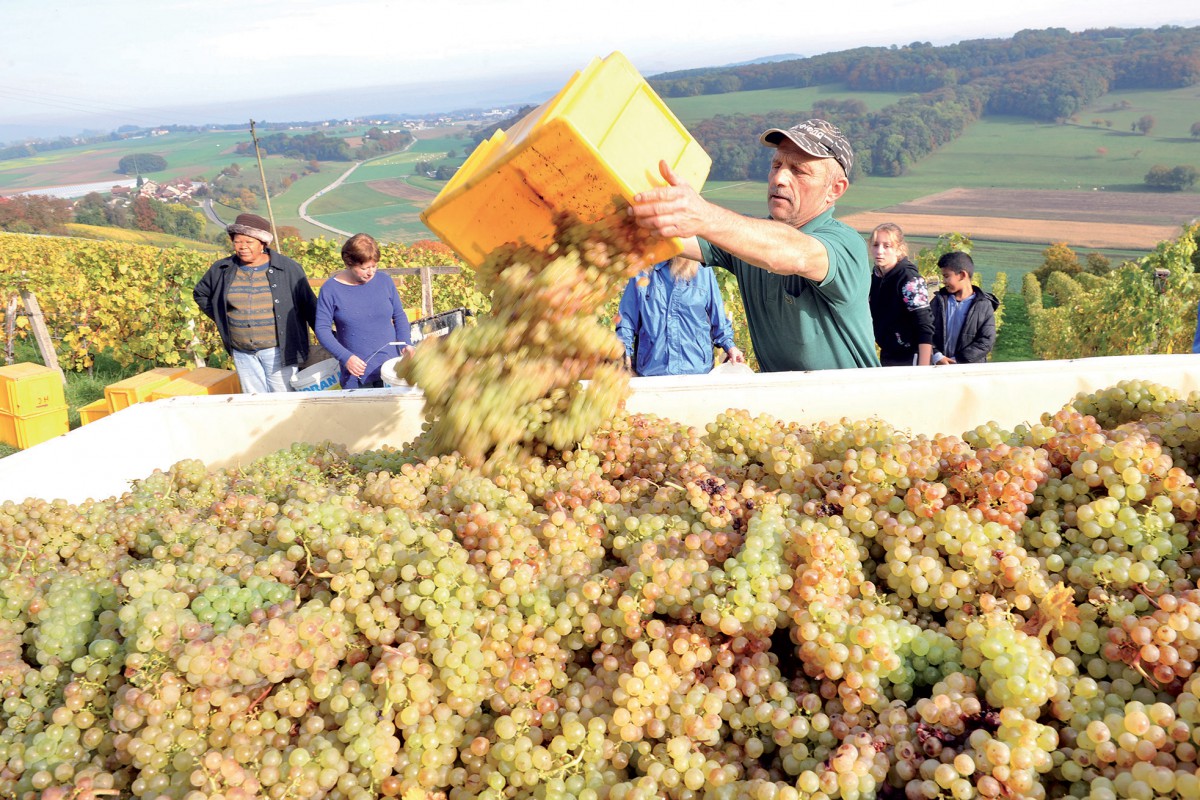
764, 101
187, 155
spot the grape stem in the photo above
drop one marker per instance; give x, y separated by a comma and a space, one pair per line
254, 704
564, 769
1141, 589
24, 554
1138, 666
308, 565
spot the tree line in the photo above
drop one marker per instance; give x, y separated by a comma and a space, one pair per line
34, 213
886, 142
319, 147
142, 213
1042, 74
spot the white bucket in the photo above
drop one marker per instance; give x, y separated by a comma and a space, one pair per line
321, 375
388, 372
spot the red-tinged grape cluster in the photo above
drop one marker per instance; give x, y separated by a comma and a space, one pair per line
752, 610
1161, 645
514, 378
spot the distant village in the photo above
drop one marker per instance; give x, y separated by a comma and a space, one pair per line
176, 190
386, 123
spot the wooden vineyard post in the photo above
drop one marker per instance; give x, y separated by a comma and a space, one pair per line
426, 274
426, 291
197, 361
41, 334
10, 329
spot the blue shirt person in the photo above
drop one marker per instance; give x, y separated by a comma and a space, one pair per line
671, 316
964, 316
956, 313
359, 317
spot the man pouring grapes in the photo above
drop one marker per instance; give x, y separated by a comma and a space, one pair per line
804, 276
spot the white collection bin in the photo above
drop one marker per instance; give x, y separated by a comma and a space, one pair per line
99, 460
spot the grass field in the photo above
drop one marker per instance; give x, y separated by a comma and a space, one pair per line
764, 101
187, 155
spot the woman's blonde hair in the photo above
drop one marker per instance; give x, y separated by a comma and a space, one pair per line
684, 268
897, 236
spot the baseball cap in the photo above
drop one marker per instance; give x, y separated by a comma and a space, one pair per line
817, 137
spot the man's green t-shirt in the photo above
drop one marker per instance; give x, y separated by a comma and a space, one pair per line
797, 324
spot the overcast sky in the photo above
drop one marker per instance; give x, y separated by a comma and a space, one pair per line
102, 62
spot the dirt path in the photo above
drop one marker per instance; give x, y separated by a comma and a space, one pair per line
1035, 231
1100, 219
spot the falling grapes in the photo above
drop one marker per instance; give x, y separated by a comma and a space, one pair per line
514, 378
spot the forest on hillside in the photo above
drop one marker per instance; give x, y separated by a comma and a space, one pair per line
1048, 75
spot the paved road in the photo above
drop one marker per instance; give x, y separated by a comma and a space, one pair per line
303, 210
207, 206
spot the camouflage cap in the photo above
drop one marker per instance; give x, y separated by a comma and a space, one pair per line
817, 137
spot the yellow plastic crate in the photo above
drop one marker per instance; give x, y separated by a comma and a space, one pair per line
588, 150
24, 432
137, 389
27, 389
205, 380
94, 410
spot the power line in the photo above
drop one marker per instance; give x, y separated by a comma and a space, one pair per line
81, 105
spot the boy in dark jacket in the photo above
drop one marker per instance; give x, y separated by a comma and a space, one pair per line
900, 312
964, 316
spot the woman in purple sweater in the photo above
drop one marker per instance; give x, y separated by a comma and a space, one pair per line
359, 315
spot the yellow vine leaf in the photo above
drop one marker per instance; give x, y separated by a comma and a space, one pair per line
1055, 610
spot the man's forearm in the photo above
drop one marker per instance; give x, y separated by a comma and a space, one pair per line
768, 244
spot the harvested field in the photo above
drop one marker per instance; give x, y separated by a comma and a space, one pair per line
1033, 231
395, 187
1124, 220
51, 170
1126, 208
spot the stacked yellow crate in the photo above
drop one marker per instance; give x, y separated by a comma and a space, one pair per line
97, 409
127, 391
33, 407
138, 389
204, 380
588, 150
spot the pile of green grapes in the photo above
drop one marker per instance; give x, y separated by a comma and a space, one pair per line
756, 610
513, 380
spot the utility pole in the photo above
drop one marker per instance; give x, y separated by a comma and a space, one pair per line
266, 192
